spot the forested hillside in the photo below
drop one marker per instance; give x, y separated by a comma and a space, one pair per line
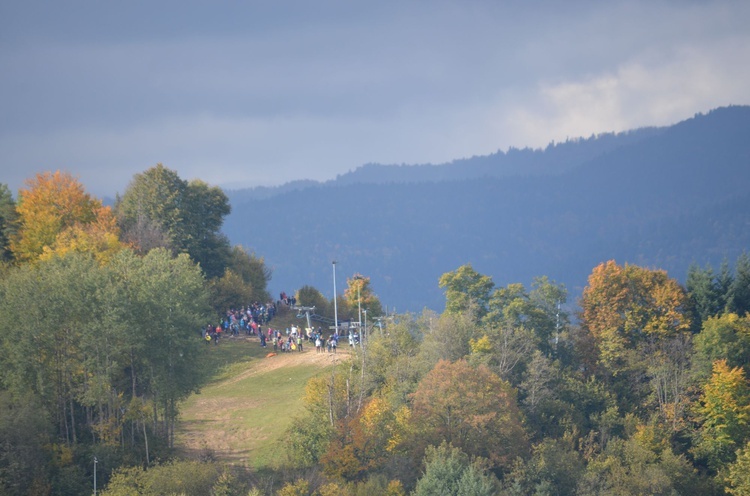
658, 197
633, 382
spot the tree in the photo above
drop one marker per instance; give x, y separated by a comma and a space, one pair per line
704, 292
504, 349
724, 411
550, 319
45, 313
724, 282
738, 479
50, 205
738, 297
166, 306
554, 468
622, 306
466, 288
253, 271
472, 409
191, 478
449, 471
229, 291
367, 442
204, 210
100, 237
668, 367
25, 436
190, 214
359, 293
539, 311
634, 466
309, 296
8, 219
723, 337
448, 337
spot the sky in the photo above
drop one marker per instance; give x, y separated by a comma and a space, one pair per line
243, 94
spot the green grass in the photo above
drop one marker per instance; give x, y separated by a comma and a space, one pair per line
247, 403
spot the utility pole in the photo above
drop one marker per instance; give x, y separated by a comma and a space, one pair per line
335, 303
359, 278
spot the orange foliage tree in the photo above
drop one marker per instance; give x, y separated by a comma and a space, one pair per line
56, 215
472, 409
366, 442
624, 305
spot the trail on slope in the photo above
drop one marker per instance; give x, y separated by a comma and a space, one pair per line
241, 418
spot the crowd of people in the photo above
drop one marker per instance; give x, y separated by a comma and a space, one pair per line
251, 319
246, 320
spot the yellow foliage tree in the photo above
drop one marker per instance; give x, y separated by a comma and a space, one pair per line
56, 216
724, 409
623, 305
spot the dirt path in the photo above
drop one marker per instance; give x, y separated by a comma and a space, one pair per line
243, 418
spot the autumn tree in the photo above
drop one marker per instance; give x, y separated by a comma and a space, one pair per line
359, 294
472, 409
99, 237
55, 214
366, 442
622, 306
724, 412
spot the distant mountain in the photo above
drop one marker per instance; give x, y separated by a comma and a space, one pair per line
660, 197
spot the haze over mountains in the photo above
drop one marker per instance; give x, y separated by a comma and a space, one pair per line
658, 197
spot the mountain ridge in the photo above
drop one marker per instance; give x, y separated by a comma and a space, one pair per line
624, 200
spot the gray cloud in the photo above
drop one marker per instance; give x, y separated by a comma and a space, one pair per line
268, 93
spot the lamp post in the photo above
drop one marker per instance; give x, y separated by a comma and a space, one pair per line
335, 304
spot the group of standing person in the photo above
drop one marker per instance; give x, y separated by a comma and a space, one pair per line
247, 320
250, 319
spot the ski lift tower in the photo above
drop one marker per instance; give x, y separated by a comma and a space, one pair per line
306, 311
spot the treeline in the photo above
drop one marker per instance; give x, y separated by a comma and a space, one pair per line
646, 393
100, 318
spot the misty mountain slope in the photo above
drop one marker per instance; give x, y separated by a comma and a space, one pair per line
665, 200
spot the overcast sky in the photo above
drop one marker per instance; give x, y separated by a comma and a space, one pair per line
261, 93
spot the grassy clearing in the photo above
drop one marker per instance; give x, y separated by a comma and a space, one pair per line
248, 402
